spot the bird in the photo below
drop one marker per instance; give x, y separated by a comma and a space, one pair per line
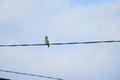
47, 41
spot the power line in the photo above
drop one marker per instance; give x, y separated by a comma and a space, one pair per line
68, 43
20, 73
4, 79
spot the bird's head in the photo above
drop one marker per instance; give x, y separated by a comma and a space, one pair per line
46, 37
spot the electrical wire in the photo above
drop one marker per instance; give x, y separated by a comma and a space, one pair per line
68, 43
20, 73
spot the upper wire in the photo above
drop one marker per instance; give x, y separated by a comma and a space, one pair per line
68, 43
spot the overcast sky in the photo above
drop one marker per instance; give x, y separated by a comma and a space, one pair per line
29, 21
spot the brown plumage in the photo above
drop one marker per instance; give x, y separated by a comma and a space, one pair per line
47, 41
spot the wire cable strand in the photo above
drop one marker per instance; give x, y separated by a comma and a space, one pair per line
20, 73
87, 42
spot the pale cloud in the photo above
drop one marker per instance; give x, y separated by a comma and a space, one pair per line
11, 10
53, 4
88, 20
30, 17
